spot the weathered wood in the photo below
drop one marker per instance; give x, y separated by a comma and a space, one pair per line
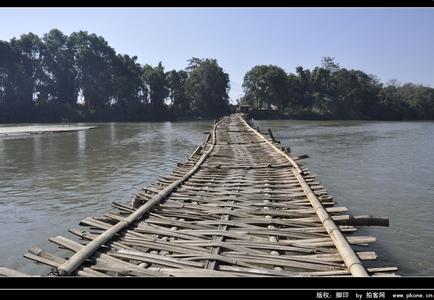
270, 133
367, 220
350, 258
11, 273
79, 257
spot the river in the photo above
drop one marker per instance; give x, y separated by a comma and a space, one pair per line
49, 182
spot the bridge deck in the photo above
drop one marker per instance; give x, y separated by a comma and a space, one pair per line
239, 206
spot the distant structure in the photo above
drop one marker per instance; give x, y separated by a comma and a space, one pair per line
243, 108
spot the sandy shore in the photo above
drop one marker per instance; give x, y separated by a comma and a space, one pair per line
23, 130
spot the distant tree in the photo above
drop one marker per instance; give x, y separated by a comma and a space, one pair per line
366, 95
304, 77
392, 105
193, 63
207, 86
130, 91
29, 48
49, 79
295, 92
419, 98
155, 80
278, 91
255, 86
59, 66
267, 84
94, 65
393, 82
321, 79
321, 92
355, 94
329, 64
11, 74
176, 81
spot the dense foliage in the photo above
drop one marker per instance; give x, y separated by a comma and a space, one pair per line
81, 78
333, 92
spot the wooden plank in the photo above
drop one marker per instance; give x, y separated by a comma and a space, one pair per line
12, 273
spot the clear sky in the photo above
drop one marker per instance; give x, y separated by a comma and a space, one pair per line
392, 43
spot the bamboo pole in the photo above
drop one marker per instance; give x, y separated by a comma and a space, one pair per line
350, 259
12, 273
270, 133
366, 220
79, 257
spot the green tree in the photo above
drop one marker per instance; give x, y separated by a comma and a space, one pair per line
392, 106
304, 77
207, 86
58, 63
354, 93
29, 48
267, 84
155, 80
295, 93
255, 86
10, 74
130, 91
42, 79
94, 65
329, 64
419, 98
176, 83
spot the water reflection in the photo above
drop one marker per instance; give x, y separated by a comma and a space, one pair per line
81, 143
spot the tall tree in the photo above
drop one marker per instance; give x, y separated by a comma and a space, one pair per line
255, 86
207, 86
29, 48
59, 65
267, 84
130, 91
155, 80
329, 64
176, 83
94, 64
10, 74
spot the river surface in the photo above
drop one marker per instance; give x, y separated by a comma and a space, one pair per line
49, 182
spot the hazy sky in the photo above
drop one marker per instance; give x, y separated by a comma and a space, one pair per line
390, 43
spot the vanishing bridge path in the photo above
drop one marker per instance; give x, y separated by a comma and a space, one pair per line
241, 205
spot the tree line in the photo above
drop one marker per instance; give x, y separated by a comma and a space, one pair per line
330, 91
79, 77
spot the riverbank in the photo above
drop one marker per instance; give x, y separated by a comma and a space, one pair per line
9, 131
311, 116
152, 119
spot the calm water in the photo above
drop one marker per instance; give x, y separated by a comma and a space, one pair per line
49, 182
377, 168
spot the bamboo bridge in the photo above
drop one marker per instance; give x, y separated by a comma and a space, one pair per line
241, 205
